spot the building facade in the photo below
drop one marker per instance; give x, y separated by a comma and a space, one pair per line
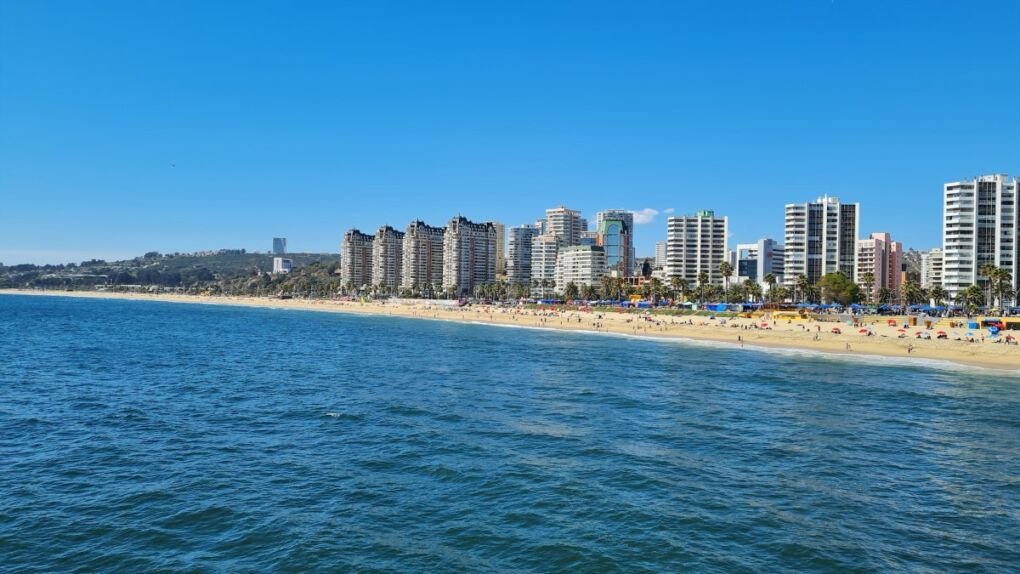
279, 246
881, 258
387, 259
566, 224
931, 268
500, 248
627, 217
544, 250
282, 265
615, 236
979, 227
696, 244
756, 261
356, 260
580, 265
469, 255
660, 255
422, 259
518, 264
820, 238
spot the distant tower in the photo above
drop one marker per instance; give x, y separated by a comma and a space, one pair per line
279, 246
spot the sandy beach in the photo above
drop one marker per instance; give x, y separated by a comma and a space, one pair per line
885, 340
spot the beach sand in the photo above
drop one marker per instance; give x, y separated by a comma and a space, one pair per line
807, 335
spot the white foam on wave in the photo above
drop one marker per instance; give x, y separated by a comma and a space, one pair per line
857, 358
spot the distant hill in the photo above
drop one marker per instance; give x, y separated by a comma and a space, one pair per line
153, 268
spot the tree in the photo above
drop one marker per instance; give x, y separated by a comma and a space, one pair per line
868, 286
770, 280
725, 269
570, 291
752, 289
990, 273
702, 284
937, 294
838, 288
885, 295
802, 286
970, 298
913, 293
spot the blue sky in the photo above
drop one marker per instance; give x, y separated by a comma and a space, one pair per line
180, 126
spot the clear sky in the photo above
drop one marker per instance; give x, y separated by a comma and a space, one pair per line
178, 126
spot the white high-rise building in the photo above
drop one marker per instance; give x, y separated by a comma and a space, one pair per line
931, 268
580, 265
469, 255
387, 258
566, 224
544, 250
356, 260
755, 261
979, 227
282, 265
500, 247
518, 269
660, 254
694, 244
422, 258
820, 238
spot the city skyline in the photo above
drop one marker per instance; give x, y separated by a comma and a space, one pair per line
125, 129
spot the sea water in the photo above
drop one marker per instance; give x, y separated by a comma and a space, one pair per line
142, 436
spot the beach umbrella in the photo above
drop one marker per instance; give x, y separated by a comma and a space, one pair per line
940, 333
901, 330
863, 331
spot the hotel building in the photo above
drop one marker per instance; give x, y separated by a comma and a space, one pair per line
469, 255
544, 250
387, 258
979, 227
518, 264
422, 258
883, 258
820, 238
580, 265
566, 224
695, 244
356, 259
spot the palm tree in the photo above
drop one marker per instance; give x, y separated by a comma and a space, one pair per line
570, 291
884, 295
702, 282
752, 290
725, 269
937, 294
867, 285
990, 273
970, 298
770, 280
802, 287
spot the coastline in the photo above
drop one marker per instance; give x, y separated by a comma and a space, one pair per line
797, 336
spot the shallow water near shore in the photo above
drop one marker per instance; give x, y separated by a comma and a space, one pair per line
142, 435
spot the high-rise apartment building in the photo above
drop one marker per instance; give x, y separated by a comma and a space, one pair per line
356, 260
580, 265
469, 255
979, 227
882, 258
566, 224
518, 265
500, 247
931, 268
387, 258
820, 238
660, 254
422, 258
615, 236
279, 246
755, 261
628, 218
544, 250
695, 244
282, 265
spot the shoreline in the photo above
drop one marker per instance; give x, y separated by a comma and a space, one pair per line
807, 337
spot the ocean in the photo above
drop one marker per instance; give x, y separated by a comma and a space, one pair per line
144, 436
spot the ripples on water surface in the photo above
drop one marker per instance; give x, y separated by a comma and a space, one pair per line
137, 436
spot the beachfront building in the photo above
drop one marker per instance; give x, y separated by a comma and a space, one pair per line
580, 265
500, 248
589, 238
627, 217
518, 264
544, 250
282, 265
422, 259
566, 224
469, 256
755, 261
695, 244
387, 259
614, 235
931, 268
660, 255
279, 246
820, 238
356, 260
979, 227
880, 262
